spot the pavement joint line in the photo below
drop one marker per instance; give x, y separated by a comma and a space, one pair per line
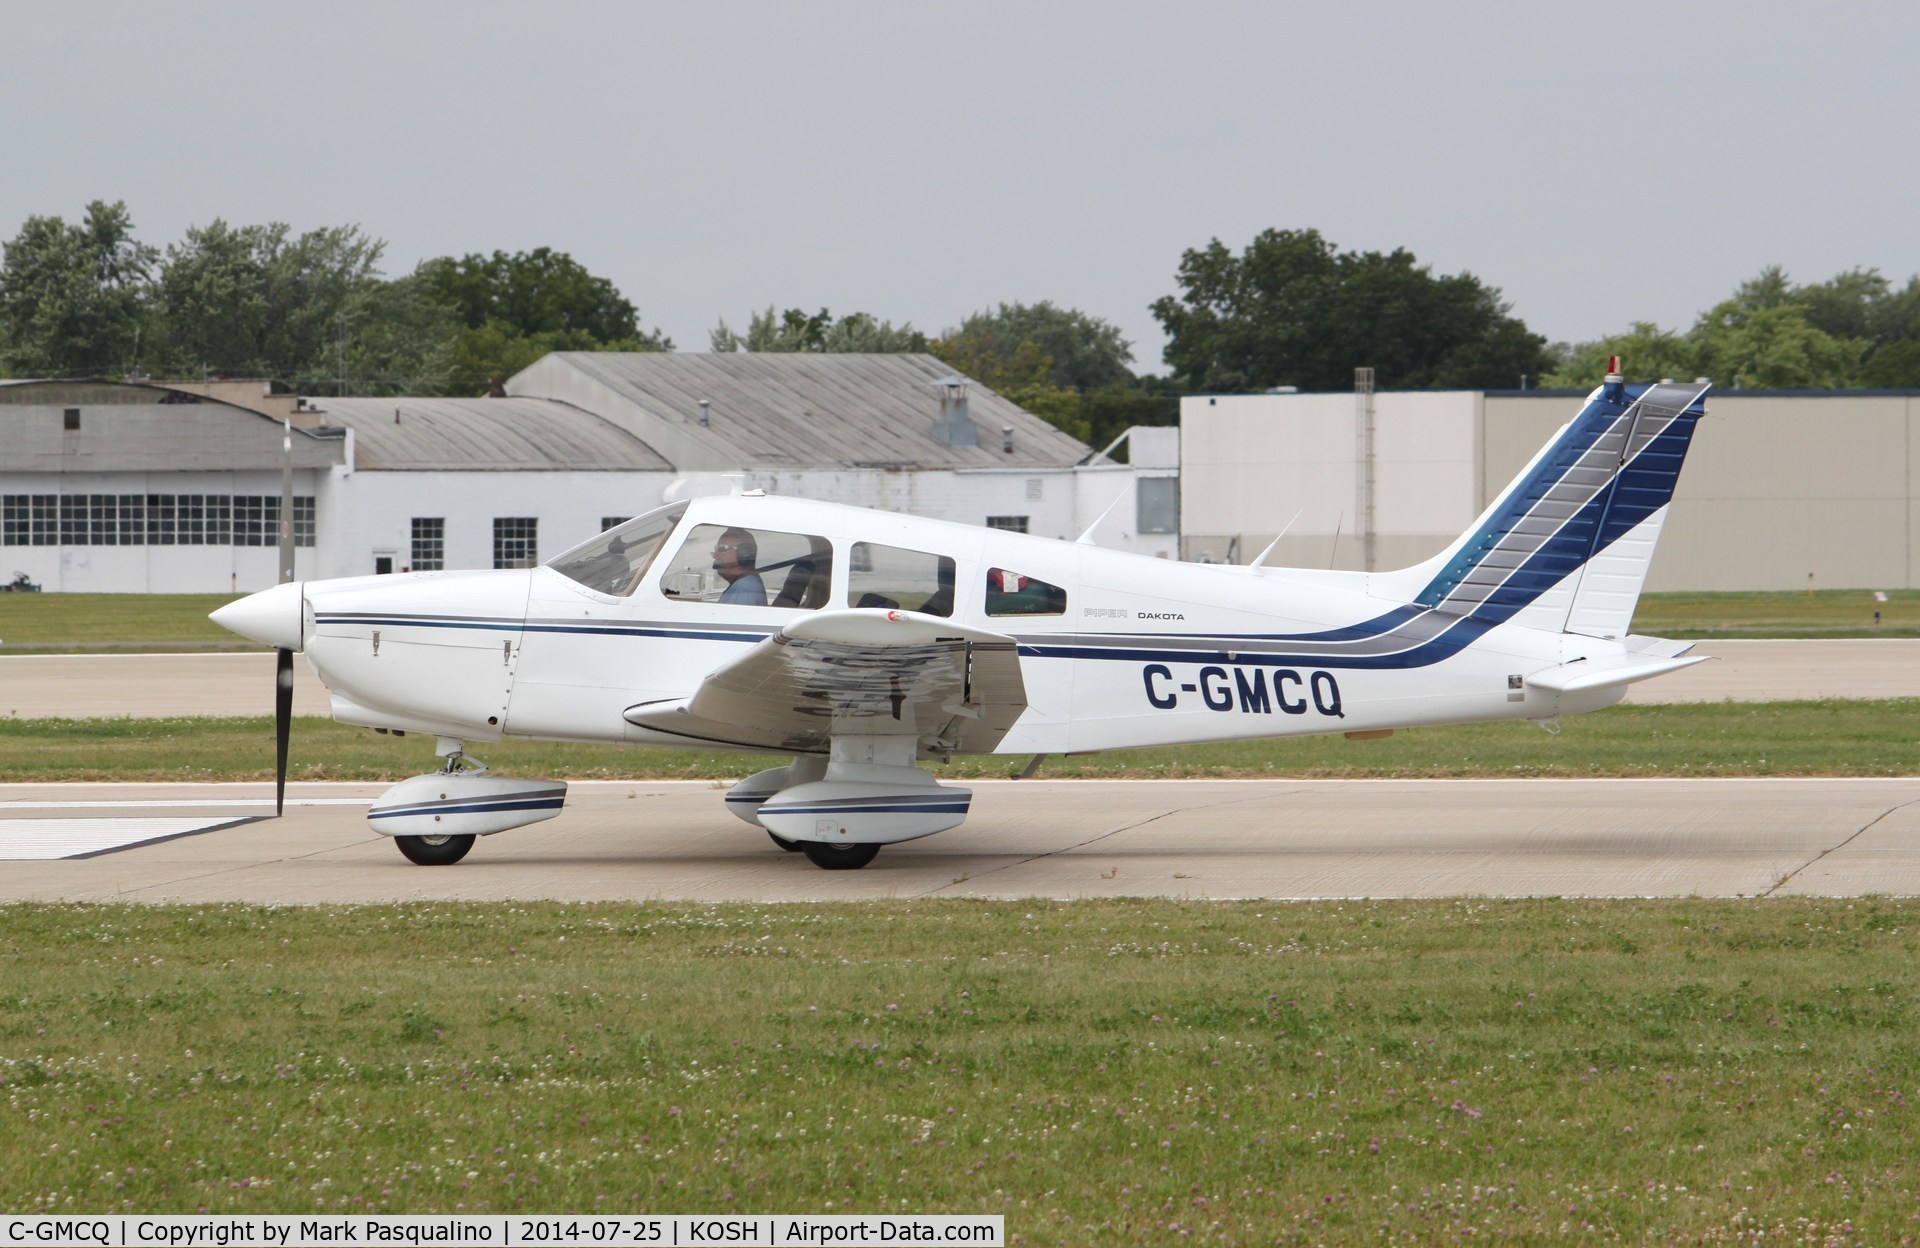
1784, 880
1067, 849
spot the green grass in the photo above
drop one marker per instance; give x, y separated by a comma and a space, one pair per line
90, 623
1825, 613
112, 623
1099, 1072
1833, 738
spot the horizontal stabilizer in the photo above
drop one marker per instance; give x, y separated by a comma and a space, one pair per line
1588, 675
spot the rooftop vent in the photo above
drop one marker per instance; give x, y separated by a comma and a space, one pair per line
955, 427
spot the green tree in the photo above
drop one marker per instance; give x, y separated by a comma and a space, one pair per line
1647, 349
542, 291
1848, 305
794, 330
1085, 351
1293, 310
1774, 348
311, 311
73, 297
494, 351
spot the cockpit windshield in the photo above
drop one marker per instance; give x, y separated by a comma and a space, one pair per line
614, 562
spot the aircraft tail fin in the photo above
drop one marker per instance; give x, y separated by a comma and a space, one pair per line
1567, 545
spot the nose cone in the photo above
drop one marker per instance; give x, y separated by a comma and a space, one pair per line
271, 617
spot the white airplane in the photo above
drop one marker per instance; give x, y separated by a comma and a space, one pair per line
861, 643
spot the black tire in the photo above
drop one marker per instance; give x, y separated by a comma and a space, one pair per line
840, 857
435, 851
792, 847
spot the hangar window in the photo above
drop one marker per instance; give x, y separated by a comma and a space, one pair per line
516, 541
163, 521
31, 520
73, 519
1157, 505
429, 543
750, 567
133, 519
252, 526
1012, 524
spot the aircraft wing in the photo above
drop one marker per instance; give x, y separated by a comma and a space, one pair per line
855, 672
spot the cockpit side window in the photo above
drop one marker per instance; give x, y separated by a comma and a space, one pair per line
889, 576
1010, 593
614, 562
741, 566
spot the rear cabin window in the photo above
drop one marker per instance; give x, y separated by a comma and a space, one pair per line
911, 580
1010, 593
747, 567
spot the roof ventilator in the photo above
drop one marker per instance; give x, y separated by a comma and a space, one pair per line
955, 426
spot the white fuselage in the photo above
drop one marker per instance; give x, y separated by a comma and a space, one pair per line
1146, 651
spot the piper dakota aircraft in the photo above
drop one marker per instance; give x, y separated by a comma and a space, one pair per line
861, 643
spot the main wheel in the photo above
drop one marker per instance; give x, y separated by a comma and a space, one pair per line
839, 857
435, 851
792, 847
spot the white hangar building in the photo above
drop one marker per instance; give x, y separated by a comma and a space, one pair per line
175, 487
1782, 490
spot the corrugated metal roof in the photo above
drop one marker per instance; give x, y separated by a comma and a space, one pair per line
803, 410
485, 435
133, 428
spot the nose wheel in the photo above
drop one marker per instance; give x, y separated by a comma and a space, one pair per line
434, 851
839, 857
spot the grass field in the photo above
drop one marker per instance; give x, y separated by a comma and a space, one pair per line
111, 623
87, 623
1835, 738
1099, 1072
1698, 1072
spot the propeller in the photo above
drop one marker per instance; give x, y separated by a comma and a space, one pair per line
282, 724
273, 617
283, 656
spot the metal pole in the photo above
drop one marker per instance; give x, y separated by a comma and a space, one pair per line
1363, 452
286, 502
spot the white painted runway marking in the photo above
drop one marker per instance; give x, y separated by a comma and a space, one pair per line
40, 840
253, 803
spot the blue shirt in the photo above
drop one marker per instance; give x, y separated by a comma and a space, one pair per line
749, 590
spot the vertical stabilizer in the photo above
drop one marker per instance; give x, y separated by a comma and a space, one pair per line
1567, 545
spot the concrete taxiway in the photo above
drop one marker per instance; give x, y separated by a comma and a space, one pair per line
1063, 839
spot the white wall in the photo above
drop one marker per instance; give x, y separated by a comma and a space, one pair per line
362, 515
155, 569
1249, 463
1058, 502
365, 514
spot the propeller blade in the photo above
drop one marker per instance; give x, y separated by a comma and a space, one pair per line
282, 725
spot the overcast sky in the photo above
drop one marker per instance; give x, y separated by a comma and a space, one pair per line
1597, 163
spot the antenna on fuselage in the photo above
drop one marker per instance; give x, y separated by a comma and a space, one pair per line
1086, 539
1259, 564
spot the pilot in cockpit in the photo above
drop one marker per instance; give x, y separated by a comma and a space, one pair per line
733, 558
